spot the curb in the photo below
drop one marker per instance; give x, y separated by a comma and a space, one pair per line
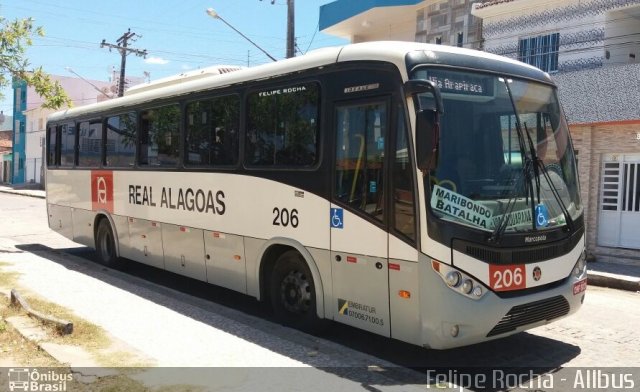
613, 281
18, 193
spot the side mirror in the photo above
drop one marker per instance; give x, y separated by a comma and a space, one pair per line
427, 139
416, 87
429, 108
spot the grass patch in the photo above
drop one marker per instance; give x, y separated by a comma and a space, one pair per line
15, 348
85, 334
8, 280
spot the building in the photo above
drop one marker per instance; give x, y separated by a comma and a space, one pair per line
6, 143
447, 22
591, 48
29, 121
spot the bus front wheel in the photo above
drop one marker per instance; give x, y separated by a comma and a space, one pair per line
106, 245
293, 295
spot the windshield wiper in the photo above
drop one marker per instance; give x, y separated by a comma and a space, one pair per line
526, 170
538, 164
533, 161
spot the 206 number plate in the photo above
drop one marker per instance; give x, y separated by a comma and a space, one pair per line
507, 277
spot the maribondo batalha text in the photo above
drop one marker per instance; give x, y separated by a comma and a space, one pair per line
189, 199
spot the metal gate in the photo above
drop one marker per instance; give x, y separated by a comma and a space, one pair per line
619, 222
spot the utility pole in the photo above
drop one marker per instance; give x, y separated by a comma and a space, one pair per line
122, 47
291, 40
291, 27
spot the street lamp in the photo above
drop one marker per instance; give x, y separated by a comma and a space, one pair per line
69, 69
212, 13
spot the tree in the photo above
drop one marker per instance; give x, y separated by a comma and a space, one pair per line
15, 37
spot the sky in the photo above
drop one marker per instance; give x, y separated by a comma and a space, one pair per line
177, 34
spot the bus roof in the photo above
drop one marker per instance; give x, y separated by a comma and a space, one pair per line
387, 51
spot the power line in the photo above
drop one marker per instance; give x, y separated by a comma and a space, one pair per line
124, 51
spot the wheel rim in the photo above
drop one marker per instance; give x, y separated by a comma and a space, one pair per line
295, 292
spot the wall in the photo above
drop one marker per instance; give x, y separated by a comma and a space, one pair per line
593, 141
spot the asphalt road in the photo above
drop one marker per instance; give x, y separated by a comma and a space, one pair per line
602, 333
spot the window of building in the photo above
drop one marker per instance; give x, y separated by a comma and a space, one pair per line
420, 22
16, 137
437, 21
67, 144
120, 147
17, 98
90, 143
212, 131
282, 126
17, 163
160, 136
540, 51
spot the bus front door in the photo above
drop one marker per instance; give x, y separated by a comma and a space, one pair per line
359, 241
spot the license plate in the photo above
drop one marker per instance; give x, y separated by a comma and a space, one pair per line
507, 277
579, 287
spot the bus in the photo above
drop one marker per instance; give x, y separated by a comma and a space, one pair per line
421, 192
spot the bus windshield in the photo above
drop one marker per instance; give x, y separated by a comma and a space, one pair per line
505, 159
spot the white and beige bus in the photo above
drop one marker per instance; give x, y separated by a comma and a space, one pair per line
425, 193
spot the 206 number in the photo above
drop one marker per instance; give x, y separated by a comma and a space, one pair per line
284, 217
508, 277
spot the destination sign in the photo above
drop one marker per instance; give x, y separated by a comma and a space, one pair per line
461, 83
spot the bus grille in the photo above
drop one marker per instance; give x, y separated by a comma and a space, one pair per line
546, 309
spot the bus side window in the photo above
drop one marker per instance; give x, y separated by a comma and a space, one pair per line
89, 143
121, 140
212, 136
52, 146
360, 132
282, 127
402, 180
67, 144
160, 136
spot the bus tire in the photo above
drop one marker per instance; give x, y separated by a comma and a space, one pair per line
292, 292
106, 245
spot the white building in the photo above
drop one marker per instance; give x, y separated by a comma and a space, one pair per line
591, 48
447, 22
81, 92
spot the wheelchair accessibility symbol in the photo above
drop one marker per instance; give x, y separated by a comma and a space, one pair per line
336, 219
542, 216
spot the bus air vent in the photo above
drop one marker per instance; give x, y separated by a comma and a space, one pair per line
518, 316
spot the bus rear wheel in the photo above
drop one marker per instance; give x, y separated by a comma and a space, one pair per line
106, 245
293, 295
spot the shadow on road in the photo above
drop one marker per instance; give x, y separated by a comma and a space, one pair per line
518, 355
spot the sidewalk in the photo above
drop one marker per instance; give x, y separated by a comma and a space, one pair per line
604, 274
28, 190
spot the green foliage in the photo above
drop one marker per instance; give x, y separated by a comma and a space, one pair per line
15, 37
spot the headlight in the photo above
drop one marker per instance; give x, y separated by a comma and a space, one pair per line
581, 266
467, 286
458, 281
452, 278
